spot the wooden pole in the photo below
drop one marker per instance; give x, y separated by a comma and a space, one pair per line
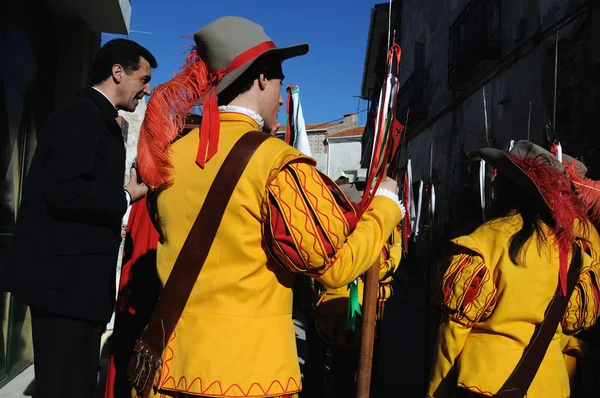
369, 308
365, 364
369, 320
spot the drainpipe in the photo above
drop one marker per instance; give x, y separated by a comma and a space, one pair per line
326, 143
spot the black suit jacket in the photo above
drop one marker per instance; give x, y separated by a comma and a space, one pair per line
64, 249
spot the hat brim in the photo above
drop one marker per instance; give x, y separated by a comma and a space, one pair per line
500, 160
282, 54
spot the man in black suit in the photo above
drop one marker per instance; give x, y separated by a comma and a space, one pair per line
62, 261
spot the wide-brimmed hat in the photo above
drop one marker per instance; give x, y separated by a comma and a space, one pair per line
542, 177
502, 162
579, 166
587, 189
222, 41
225, 49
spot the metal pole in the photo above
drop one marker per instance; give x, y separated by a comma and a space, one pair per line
485, 117
529, 122
555, 84
389, 24
328, 155
428, 265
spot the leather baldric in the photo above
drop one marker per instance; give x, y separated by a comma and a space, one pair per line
146, 359
519, 381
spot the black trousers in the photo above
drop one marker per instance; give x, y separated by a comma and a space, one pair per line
66, 354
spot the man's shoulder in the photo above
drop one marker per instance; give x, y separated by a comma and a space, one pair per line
73, 114
282, 152
78, 107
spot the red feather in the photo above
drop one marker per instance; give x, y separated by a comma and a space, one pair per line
587, 190
165, 118
555, 187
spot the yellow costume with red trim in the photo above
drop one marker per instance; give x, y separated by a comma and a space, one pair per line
572, 346
235, 337
492, 308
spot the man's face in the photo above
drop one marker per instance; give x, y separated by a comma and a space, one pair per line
133, 86
271, 103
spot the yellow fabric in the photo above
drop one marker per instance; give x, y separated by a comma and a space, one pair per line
571, 344
389, 261
391, 257
313, 218
580, 355
235, 337
332, 307
197, 396
492, 307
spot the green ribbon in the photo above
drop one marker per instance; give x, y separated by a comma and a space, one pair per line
353, 306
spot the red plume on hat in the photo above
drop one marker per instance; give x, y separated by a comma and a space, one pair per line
165, 118
224, 50
587, 189
541, 177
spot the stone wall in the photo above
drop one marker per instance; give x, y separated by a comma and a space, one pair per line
455, 119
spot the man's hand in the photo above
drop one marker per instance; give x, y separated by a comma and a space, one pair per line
390, 184
137, 191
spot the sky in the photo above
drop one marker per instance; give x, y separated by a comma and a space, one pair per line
329, 76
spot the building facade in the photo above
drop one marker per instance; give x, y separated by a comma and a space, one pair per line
454, 51
336, 146
460, 50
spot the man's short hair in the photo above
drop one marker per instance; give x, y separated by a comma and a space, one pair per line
270, 66
124, 52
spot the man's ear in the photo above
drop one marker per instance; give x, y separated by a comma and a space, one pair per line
262, 82
117, 73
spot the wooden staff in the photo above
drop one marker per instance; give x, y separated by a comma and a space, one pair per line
369, 320
365, 364
371, 286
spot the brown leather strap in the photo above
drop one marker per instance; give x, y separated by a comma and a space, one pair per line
193, 254
519, 381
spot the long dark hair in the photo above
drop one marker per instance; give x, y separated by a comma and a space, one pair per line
509, 199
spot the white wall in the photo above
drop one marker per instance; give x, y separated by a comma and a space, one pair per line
345, 157
135, 120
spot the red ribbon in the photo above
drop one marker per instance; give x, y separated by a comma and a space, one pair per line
554, 148
378, 165
210, 127
563, 270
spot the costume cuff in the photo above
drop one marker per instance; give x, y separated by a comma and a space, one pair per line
393, 196
127, 197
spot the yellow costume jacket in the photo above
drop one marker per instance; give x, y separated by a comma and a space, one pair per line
235, 337
572, 346
492, 309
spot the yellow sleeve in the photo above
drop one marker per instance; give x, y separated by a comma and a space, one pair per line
312, 228
391, 256
468, 296
451, 338
583, 307
468, 291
